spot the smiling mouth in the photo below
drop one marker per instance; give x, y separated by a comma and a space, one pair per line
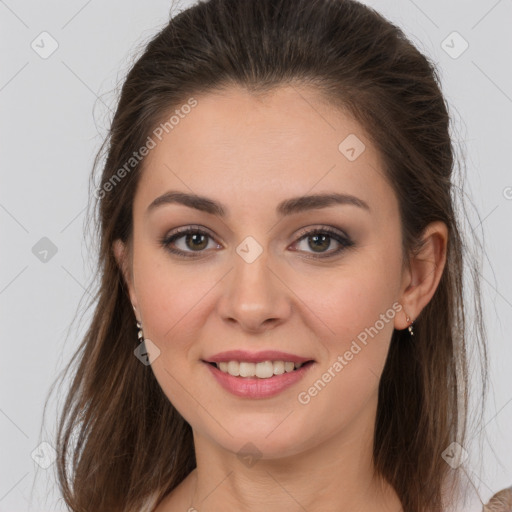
261, 370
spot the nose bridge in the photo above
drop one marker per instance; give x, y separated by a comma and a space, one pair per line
253, 297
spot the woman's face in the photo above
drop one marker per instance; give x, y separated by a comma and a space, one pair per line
253, 281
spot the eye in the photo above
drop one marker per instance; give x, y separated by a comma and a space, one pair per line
320, 239
191, 241
193, 237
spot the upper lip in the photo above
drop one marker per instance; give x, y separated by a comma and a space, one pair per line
256, 357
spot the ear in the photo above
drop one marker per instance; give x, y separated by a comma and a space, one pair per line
121, 254
421, 279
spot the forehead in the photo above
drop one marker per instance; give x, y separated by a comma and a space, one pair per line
236, 145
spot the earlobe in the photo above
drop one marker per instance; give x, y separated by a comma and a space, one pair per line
120, 254
426, 269
119, 250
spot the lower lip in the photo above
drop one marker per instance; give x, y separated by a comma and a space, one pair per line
254, 387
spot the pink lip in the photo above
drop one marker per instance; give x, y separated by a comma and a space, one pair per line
254, 387
255, 357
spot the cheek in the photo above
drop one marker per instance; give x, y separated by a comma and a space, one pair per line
352, 298
360, 314
354, 317
168, 305
173, 300
172, 303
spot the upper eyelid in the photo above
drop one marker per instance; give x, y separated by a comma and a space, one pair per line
184, 230
321, 228
301, 234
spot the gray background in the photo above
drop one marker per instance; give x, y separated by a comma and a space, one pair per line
55, 112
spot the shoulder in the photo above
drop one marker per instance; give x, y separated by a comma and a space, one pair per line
500, 502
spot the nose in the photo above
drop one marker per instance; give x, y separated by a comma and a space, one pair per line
255, 297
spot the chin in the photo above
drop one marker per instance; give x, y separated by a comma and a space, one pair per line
265, 443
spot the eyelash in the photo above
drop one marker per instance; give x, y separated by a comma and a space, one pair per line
344, 241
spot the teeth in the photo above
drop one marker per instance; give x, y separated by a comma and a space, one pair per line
263, 370
233, 368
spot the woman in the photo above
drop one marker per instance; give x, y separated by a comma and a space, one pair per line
280, 322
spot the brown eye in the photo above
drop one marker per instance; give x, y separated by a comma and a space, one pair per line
320, 239
186, 241
319, 243
196, 241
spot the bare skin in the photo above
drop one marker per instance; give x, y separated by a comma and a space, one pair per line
250, 153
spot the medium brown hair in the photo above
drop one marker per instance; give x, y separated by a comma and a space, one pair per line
120, 442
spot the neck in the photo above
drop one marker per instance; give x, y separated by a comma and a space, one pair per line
334, 475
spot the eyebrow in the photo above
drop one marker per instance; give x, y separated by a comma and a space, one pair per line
286, 207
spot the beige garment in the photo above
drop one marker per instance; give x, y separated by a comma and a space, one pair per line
500, 502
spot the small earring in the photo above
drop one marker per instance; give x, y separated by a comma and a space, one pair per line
140, 334
410, 325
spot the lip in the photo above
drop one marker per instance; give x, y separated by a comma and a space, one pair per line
255, 357
254, 387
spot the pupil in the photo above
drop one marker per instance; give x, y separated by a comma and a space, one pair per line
324, 239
